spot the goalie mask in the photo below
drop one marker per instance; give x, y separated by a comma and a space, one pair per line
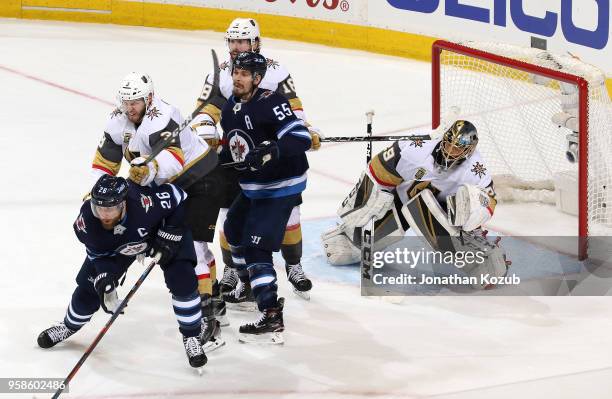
458, 143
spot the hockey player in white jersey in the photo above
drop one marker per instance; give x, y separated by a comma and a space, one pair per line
133, 131
439, 187
243, 35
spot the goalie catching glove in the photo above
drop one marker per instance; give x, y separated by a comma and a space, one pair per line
470, 207
141, 173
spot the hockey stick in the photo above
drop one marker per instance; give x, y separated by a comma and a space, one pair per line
169, 138
367, 231
232, 164
102, 332
360, 139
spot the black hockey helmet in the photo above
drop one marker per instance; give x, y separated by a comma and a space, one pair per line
253, 62
458, 143
109, 191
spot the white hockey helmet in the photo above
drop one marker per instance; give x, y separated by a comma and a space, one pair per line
135, 86
244, 28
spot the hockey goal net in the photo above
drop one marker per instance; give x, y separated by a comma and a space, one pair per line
529, 105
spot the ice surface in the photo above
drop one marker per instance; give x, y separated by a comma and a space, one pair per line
58, 82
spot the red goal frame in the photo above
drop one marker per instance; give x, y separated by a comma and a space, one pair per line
583, 98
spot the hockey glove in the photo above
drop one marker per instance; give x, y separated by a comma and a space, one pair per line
106, 288
205, 127
167, 243
143, 174
315, 137
264, 155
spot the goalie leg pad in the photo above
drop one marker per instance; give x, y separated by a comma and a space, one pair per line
338, 248
427, 219
342, 244
364, 202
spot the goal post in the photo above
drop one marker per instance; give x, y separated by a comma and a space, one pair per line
513, 94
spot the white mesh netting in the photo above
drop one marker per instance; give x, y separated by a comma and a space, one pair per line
513, 111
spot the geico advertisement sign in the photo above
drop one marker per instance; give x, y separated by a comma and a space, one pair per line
497, 14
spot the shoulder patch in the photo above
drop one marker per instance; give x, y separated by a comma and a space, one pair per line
265, 94
224, 65
420, 173
478, 169
116, 112
146, 202
153, 113
416, 143
271, 63
80, 224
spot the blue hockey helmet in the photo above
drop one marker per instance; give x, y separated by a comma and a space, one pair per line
253, 62
109, 191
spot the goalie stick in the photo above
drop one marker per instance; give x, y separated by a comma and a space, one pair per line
169, 138
367, 231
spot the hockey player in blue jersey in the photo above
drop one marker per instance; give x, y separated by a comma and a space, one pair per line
119, 223
265, 136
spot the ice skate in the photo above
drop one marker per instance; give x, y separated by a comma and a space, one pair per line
54, 335
268, 329
300, 283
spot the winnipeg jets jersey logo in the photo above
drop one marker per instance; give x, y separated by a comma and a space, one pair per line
132, 248
237, 108
146, 202
478, 169
119, 229
80, 224
153, 113
239, 144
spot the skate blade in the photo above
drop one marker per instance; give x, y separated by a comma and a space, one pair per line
213, 344
243, 306
200, 371
305, 295
275, 338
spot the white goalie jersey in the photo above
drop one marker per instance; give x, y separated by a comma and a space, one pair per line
409, 167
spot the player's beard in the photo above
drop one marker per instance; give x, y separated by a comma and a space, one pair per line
240, 90
109, 224
136, 117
